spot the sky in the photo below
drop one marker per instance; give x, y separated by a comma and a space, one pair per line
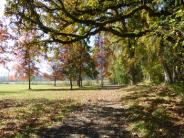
3, 70
2, 3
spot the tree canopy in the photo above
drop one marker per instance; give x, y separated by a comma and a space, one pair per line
66, 21
149, 33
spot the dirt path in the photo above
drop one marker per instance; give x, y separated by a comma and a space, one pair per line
101, 117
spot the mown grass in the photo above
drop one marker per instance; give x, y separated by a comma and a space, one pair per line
154, 112
82, 95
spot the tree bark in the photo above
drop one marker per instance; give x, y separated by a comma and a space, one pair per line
29, 82
168, 75
78, 82
55, 81
29, 76
101, 73
71, 84
81, 81
132, 70
174, 75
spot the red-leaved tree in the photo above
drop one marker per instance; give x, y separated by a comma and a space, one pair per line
102, 54
27, 54
4, 36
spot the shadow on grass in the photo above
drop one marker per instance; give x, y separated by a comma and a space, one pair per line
90, 121
44, 118
12, 92
179, 88
154, 113
82, 88
24, 118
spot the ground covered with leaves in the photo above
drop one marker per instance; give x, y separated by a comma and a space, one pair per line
156, 111
134, 111
24, 118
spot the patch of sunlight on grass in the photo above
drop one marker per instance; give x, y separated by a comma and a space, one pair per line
20, 91
138, 127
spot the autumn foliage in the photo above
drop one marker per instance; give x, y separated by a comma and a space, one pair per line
26, 54
4, 36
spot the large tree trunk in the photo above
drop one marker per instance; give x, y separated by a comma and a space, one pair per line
101, 73
102, 81
29, 76
174, 75
132, 69
78, 82
168, 74
71, 84
55, 80
29, 82
79, 77
131, 52
81, 81
132, 76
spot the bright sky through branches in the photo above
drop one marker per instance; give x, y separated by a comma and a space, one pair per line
3, 71
2, 3
43, 64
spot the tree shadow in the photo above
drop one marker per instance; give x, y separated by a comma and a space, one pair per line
2, 92
90, 121
23, 118
8, 103
82, 88
155, 112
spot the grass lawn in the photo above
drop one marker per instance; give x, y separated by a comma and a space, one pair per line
148, 111
24, 112
20, 91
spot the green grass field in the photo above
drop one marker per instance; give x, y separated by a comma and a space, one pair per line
49, 92
21, 91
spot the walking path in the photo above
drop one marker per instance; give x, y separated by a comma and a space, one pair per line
101, 118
